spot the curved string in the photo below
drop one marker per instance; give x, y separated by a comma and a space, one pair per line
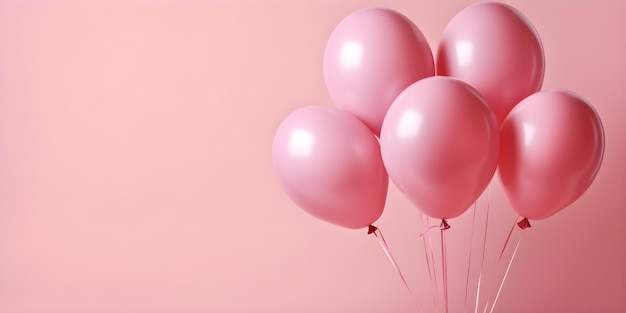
429, 229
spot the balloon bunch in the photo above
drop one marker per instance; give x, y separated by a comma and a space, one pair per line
444, 127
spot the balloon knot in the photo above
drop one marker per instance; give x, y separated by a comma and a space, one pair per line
444, 225
371, 229
524, 223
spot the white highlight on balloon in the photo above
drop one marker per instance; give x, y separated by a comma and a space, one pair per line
409, 124
529, 133
301, 143
351, 55
464, 52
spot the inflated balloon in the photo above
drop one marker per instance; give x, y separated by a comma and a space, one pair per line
370, 57
552, 149
329, 164
494, 48
440, 145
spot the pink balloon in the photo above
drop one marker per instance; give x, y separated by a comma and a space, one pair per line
494, 48
329, 163
440, 145
552, 148
370, 57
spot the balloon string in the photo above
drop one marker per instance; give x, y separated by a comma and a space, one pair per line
429, 229
428, 253
516, 238
484, 247
383, 244
444, 263
506, 273
469, 261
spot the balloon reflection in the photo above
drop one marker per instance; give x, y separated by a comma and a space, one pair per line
351, 55
464, 51
409, 124
301, 143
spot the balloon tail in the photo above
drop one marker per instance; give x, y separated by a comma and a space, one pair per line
430, 261
444, 263
507, 255
383, 244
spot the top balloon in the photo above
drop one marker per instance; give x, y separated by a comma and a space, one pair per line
372, 56
494, 48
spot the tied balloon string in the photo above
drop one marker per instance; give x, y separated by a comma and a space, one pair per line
484, 248
429, 229
469, 261
430, 261
444, 262
383, 244
513, 240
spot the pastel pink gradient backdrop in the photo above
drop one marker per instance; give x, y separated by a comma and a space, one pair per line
135, 164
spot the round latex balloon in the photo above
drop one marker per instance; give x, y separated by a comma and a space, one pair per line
370, 57
329, 164
494, 48
552, 149
440, 145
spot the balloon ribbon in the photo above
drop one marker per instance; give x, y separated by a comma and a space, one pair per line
444, 261
383, 244
430, 259
484, 249
513, 240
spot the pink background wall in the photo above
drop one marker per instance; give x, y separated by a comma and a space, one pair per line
135, 165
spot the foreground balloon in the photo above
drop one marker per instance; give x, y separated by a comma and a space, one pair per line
370, 57
494, 48
440, 145
552, 148
329, 163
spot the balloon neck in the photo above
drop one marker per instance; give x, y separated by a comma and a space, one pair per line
371, 229
524, 223
444, 225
